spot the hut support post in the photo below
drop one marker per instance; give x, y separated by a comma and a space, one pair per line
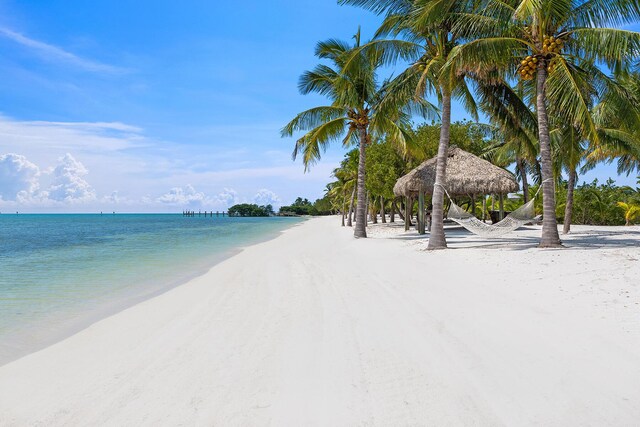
421, 213
407, 214
473, 204
484, 208
501, 207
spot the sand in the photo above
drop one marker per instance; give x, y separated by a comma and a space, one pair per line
317, 328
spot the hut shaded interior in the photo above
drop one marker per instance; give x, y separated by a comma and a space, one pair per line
467, 175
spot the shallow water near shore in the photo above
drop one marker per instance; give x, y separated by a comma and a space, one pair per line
59, 273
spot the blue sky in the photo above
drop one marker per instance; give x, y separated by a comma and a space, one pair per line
160, 105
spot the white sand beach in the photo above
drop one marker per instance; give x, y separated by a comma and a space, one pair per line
316, 328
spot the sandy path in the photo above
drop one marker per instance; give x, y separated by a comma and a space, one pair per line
317, 328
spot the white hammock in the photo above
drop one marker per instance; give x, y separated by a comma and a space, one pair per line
516, 219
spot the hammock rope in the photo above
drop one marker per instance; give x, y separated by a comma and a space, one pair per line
516, 219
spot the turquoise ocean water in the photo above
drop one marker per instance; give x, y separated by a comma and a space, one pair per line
59, 273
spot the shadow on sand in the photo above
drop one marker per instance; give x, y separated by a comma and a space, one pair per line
529, 237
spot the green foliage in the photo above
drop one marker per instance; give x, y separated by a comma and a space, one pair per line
597, 204
322, 206
299, 207
304, 207
245, 209
384, 167
467, 135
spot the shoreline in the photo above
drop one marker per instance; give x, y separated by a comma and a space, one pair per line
317, 328
135, 296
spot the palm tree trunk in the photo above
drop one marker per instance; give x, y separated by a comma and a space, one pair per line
523, 175
437, 239
372, 208
344, 205
392, 214
399, 209
353, 196
361, 209
568, 209
550, 237
383, 214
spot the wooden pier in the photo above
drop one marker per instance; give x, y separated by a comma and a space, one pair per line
205, 213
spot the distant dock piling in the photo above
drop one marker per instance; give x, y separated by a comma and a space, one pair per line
205, 213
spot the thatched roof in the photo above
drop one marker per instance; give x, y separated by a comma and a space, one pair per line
467, 174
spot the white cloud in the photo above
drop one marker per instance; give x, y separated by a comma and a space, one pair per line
186, 196
56, 54
266, 197
68, 182
114, 197
227, 198
18, 177
146, 169
47, 137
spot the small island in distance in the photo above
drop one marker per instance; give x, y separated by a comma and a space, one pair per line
299, 207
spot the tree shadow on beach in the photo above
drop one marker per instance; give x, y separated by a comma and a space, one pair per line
460, 238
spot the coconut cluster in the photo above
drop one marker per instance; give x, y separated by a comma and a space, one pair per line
551, 44
528, 67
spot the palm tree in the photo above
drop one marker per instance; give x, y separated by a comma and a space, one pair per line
358, 108
569, 149
347, 175
631, 212
547, 40
515, 128
616, 119
427, 26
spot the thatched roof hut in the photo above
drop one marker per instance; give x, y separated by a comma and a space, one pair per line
467, 174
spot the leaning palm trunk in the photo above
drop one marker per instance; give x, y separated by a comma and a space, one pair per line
392, 214
383, 214
372, 208
568, 209
361, 209
353, 196
344, 204
550, 237
437, 238
525, 183
399, 209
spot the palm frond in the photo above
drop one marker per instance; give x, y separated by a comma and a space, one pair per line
312, 118
312, 144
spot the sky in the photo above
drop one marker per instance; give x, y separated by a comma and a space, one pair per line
160, 106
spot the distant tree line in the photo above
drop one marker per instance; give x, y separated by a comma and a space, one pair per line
299, 207
304, 207
246, 209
